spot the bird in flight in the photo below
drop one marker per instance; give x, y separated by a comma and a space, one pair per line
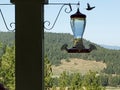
89, 7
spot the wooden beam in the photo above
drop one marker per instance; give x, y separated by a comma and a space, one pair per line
29, 33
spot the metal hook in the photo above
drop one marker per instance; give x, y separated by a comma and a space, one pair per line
48, 22
11, 24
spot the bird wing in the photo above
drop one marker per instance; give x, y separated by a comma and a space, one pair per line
88, 5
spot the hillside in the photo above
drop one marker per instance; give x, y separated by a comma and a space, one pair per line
54, 41
7, 38
75, 65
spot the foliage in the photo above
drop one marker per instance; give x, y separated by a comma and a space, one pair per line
7, 38
89, 80
114, 80
76, 81
47, 73
7, 69
7, 59
104, 80
54, 41
63, 80
92, 81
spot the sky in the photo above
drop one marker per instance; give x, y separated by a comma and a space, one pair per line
8, 12
103, 22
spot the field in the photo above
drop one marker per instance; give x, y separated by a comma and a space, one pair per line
78, 65
74, 65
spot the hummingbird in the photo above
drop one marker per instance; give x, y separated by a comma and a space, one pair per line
89, 7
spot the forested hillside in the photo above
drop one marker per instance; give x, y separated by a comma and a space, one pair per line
54, 41
6, 39
110, 76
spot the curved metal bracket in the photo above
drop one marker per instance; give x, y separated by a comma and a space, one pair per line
11, 24
48, 22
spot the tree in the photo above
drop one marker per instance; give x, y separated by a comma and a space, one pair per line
63, 80
76, 81
7, 69
104, 80
114, 80
92, 81
47, 74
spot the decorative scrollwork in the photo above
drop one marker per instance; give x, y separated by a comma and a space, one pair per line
47, 23
11, 24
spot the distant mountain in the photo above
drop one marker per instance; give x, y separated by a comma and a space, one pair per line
110, 47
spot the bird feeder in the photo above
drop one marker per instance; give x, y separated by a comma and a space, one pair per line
78, 23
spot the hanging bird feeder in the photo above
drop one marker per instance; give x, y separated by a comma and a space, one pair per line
78, 23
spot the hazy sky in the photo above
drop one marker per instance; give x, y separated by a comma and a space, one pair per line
103, 22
